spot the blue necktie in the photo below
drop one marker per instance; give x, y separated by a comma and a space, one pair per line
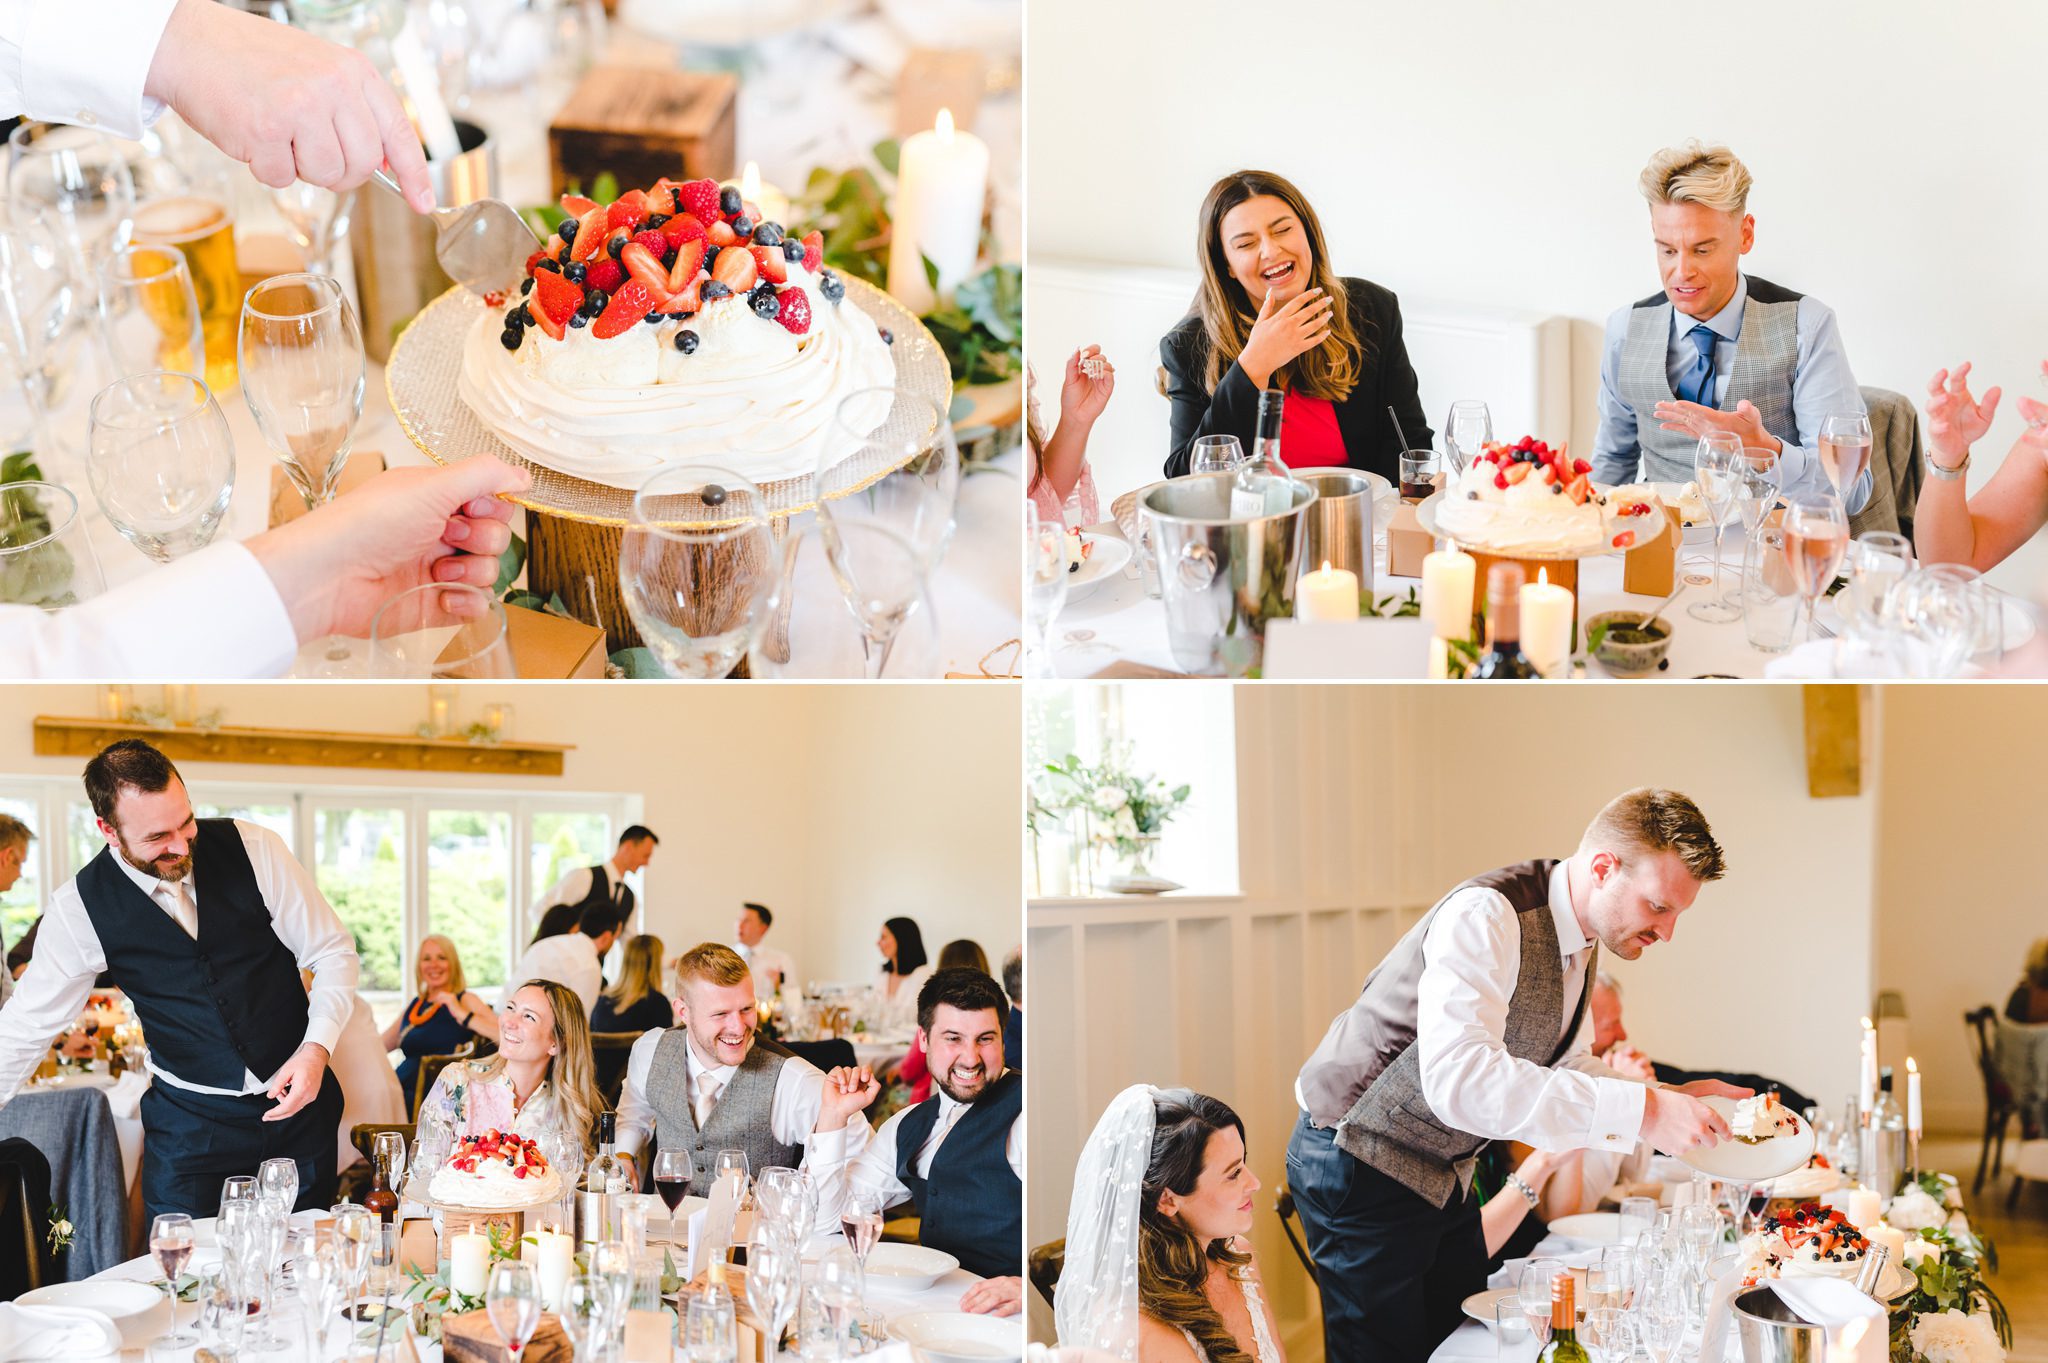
1697, 383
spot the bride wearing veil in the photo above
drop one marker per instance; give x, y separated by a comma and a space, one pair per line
1157, 1268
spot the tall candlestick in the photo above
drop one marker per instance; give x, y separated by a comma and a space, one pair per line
1912, 1096
941, 183
1866, 1077
1327, 594
423, 93
1448, 576
1546, 624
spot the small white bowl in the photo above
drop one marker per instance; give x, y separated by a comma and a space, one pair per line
957, 1337
138, 1310
894, 1267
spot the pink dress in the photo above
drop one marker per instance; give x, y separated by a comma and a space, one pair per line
1087, 508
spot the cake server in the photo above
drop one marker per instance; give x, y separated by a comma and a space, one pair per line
483, 246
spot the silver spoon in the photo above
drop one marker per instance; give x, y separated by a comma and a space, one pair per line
483, 246
1644, 622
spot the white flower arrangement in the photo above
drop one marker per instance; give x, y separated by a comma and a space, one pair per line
1915, 1209
61, 1230
1953, 1337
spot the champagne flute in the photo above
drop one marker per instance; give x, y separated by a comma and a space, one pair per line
1718, 469
877, 574
840, 1289
149, 313
672, 1180
354, 1229
266, 1246
774, 1276
699, 569
161, 462
171, 1240
302, 371
1467, 430
389, 1146
442, 631
1844, 449
237, 1188
1045, 578
317, 1272
1816, 539
891, 461
1215, 454
317, 219
862, 1223
512, 1303
584, 1310
223, 1311
709, 1328
733, 1162
37, 302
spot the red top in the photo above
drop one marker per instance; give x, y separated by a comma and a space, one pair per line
1309, 437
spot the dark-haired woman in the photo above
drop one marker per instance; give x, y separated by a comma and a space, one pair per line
1158, 1268
1272, 313
892, 1005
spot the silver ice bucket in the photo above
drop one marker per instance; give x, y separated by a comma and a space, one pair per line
1220, 579
1770, 1333
1338, 526
393, 247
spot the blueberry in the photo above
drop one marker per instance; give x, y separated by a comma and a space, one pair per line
768, 234
579, 320
548, 263
617, 246
525, 314
654, 319
1557, 487
512, 319
668, 259
729, 200
526, 285
792, 251
575, 274
764, 302
712, 494
567, 231
715, 289
743, 226
686, 341
832, 286
511, 338
1471, 496
654, 222
710, 257
888, 336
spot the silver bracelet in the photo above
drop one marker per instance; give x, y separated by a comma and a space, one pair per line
1948, 475
1515, 1180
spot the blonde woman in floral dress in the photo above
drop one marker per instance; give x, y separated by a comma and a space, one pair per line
541, 1081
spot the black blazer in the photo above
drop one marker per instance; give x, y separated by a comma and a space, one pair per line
1233, 409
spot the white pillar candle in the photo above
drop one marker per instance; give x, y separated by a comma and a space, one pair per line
1894, 1242
1866, 1070
772, 202
1447, 579
1912, 1097
1546, 624
1327, 594
556, 1264
1439, 659
469, 1257
1865, 1207
941, 183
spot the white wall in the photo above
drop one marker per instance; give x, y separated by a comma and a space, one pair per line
837, 806
1486, 152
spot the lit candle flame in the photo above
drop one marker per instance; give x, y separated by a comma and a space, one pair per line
1326, 565
750, 181
1866, 1024
1911, 1068
944, 125
1542, 577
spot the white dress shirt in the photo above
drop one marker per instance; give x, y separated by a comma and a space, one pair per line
570, 960
840, 1168
69, 957
61, 64
119, 635
792, 1112
574, 885
898, 1015
1472, 957
764, 960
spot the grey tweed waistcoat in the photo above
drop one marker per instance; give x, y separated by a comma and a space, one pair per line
1367, 1073
739, 1121
1766, 361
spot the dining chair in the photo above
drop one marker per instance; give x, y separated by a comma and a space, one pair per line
608, 1052
431, 1067
1044, 1267
2000, 1105
26, 1261
1283, 1204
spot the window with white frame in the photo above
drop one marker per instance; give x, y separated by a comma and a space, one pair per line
1162, 737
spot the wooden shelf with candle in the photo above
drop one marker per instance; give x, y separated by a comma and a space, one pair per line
64, 737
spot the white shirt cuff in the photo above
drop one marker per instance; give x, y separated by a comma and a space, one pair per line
227, 620
1618, 1106
90, 70
323, 1032
827, 1147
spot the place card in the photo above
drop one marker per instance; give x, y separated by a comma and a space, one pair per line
642, 124
1407, 543
551, 648
1351, 650
1652, 569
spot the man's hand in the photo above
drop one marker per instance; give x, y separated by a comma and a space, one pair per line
1675, 1122
1690, 418
290, 105
847, 1091
298, 1082
994, 1297
405, 528
1714, 1088
1630, 1063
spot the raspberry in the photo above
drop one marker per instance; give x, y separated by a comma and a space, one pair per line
814, 250
796, 310
699, 199
605, 275
655, 242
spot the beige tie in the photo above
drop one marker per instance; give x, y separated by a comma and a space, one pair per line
707, 1097
176, 897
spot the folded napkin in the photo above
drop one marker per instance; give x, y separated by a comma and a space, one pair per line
48, 1332
125, 1097
1820, 659
1835, 1304
1720, 1318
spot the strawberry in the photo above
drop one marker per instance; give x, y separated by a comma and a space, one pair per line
555, 298
1624, 539
496, 297
554, 246
644, 266
660, 200
690, 299
1515, 473
720, 233
681, 228
520, 1172
768, 259
814, 250
605, 275
699, 198
655, 242
1582, 466
735, 270
1500, 480
796, 310
632, 302
589, 235
575, 205
625, 213
1579, 489
689, 259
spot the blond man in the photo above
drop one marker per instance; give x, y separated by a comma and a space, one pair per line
1718, 349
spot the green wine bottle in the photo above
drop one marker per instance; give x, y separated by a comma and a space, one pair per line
1564, 1346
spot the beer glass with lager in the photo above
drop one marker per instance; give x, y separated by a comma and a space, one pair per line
202, 230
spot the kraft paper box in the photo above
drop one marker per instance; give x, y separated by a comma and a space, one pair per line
1407, 543
471, 1338
1652, 570
286, 504
551, 648
417, 1248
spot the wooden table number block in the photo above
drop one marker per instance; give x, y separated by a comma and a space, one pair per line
641, 124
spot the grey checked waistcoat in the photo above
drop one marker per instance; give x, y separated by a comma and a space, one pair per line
1766, 359
1366, 1075
740, 1121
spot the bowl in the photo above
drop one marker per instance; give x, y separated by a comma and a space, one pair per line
958, 1337
139, 1311
894, 1267
1629, 655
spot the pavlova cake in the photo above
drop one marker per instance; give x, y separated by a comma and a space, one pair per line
1810, 1241
1527, 498
1819, 1176
495, 1169
672, 323
1760, 1118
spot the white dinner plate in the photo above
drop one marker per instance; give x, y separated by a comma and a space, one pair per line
897, 1267
1731, 1159
1589, 1228
139, 1311
1105, 560
75, 1079
1480, 1305
957, 1337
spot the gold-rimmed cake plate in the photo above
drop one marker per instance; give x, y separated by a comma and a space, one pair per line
421, 382
1656, 522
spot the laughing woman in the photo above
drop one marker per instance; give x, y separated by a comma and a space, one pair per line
1272, 314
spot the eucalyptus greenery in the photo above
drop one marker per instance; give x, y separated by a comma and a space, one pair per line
1953, 1280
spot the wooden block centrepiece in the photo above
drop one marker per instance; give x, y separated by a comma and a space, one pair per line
469, 1337
641, 124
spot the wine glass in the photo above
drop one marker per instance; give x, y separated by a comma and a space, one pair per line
734, 1163
46, 558
862, 1223
149, 313
891, 462
672, 1180
237, 1188
1045, 579
611, 1263
161, 462
1215, 454
171, 1240
82, 179
1718, 470
1816, 540
38, 301
317, 219
1661, 1319
265, 1253
877, 573
699, 569
1532, 1290
316, 1275
302, 368
583, 1312
834, 641
709, 1328
223, 1311
1699, 1231
354, 1230
840, 1289
774, 1276
1638, 1216
512, 1302
1877, 563
1467, 430
442, 631
389, 1146
1609, 1336
1844, 449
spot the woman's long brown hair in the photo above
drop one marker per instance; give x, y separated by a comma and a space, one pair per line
1329, 371
572, 1073
1173, 1264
